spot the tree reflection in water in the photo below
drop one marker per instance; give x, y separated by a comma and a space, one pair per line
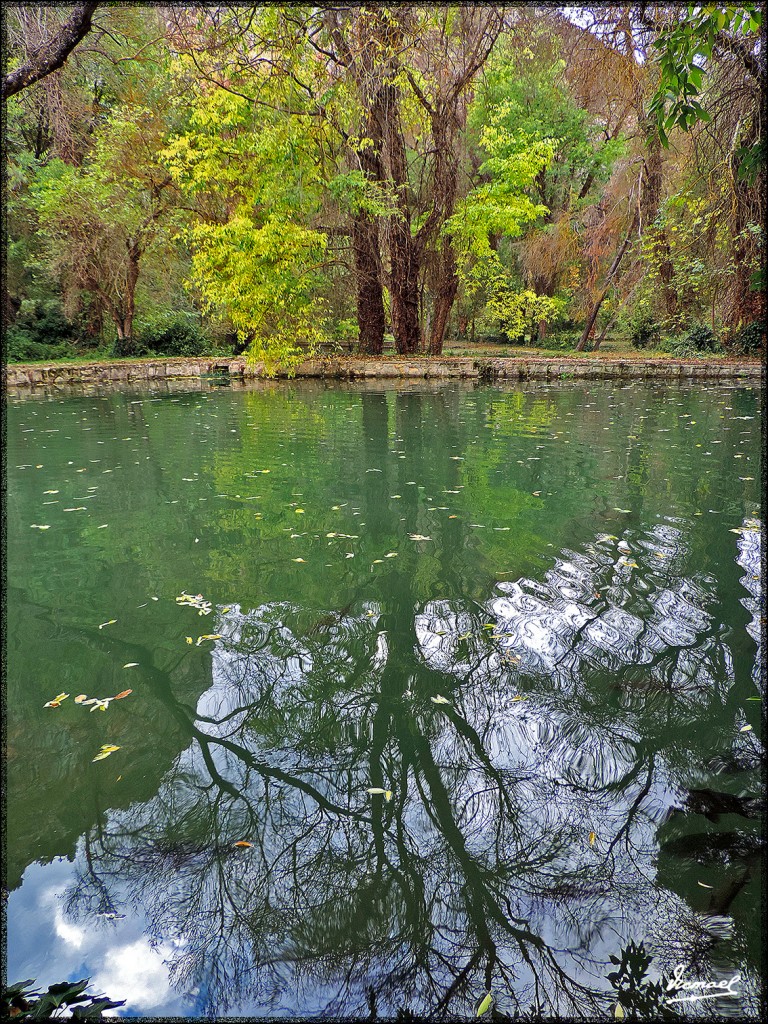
479, 872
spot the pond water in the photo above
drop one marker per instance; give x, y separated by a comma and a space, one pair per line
528, 617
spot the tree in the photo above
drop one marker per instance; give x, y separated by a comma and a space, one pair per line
51, 54
98, 222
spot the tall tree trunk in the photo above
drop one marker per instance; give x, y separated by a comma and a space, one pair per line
370, 297
403, 255
444, 295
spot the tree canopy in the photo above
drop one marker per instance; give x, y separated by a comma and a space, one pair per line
281, 179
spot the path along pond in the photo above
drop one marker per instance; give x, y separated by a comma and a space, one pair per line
465, 695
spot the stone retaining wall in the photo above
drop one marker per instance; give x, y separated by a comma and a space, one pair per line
504, 369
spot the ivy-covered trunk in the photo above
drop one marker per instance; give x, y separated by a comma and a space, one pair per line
403, 250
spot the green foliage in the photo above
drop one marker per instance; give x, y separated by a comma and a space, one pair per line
748, 340
23, 1002
40, 331
684, 54
643, 330
639, 998
172, 334
257, 263
702, 338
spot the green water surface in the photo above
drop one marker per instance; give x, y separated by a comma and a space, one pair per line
529, 617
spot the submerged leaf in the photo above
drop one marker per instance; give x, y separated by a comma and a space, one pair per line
592, 838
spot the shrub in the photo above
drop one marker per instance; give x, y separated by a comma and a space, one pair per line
168, 334
644, 331
749, 339
40, 331
702, 338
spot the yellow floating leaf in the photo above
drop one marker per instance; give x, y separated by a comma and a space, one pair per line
618, 1013
299, 511
388, 795
377, 561
60, 697
376, 791
592, 838
297, 559
391, 554
109, 622
518, 696
745, 728
484, 1005
189, 639
105, 751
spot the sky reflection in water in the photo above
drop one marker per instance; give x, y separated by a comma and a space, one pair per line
527, 614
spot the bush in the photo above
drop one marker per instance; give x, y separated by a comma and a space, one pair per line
644, 331
682, 347
702, 339
749, 339
168, 334
21, 348
40, 331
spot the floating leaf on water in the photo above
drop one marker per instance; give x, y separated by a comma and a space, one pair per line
131, 664
618, 1013
297, 559
592, 838
50, 492
299, 511
518, 696
376, 791
418, 536
80, 698
34, 526
109, 622
704, 885
106, 750
745, 728
391, 554
388, 795
189, 639
625, 510
484, 1005
207, 636
99, 704
377, 561
123, 693
242, 842
439, 699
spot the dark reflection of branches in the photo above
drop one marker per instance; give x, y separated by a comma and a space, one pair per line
520, 836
